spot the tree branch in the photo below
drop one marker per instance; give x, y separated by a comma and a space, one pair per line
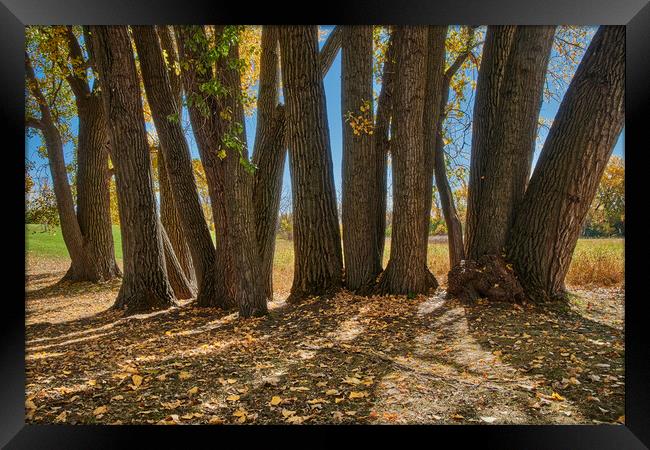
330, 49
32, 122
77, 78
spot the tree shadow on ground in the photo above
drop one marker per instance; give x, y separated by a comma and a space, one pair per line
63, 288
562, 350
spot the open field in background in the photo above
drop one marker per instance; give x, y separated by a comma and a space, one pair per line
596, 262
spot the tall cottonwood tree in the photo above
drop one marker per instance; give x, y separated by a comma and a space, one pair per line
145, 285
362, 257
407, 272
509, 144
496, 49
317, 241
176, 165
217, 117
432, 112
87, 231
573, 158
269, 151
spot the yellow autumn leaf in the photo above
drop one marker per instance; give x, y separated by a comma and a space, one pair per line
136, 379
558, 397
183, 375
331, 392
192, 391
360, 394
100, 410
275, 401
232, 398
287, 412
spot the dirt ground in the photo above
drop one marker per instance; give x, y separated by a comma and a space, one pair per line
346, 359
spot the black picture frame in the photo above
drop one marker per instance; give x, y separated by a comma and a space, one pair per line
15, 14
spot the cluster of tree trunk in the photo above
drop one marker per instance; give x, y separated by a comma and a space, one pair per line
520, 232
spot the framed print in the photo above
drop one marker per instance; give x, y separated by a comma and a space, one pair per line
414, 215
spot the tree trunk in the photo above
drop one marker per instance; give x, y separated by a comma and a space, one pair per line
407, 272
511, 141
572, 161
362, 259
317, 240
496, 49
432, 110
218, 122
93, 178
175, 234
268, 155
164, 100
145, 285
207, 141
381, 143
64, 202
179, 282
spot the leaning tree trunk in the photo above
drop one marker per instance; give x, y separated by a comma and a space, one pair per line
381, 143
511, 141
432, 105
362, 259
195, 75
572, 161
496, 49
317, 240
64, 202
145, 285
268, 155
163, 93
93, 178
178, 260
407, 272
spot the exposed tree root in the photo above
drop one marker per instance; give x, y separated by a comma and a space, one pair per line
489, 277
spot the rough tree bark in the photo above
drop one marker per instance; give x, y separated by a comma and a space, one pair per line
496, 49
269, 154
381, 142
572, 161
362, 259
407, 272
317, 240
181, 285
93, 194
511, 141
145, 285
163, 93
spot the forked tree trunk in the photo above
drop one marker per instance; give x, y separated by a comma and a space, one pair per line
362, 259
570, 166
496, 49
317, 240
407, 272
163, 93
269, 154
510, 142
145, 285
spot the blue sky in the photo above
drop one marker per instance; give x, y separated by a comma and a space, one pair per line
332, 83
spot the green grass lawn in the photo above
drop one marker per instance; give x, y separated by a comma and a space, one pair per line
50, 243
